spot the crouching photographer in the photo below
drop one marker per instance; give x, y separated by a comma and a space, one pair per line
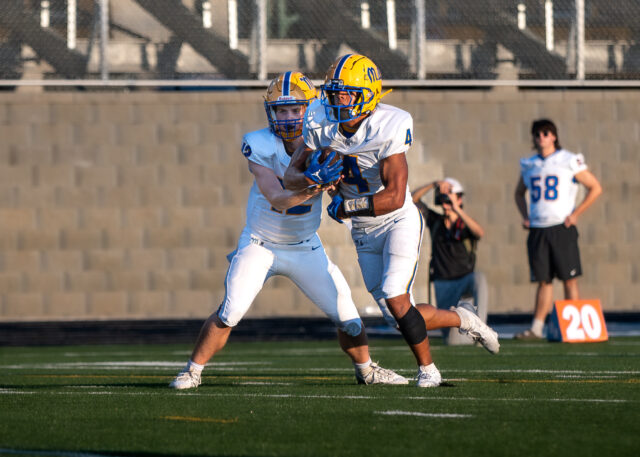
454, 236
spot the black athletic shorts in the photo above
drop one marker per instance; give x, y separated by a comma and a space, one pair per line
553, 253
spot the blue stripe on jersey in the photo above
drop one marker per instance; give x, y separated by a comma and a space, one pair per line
286, 81
336, 74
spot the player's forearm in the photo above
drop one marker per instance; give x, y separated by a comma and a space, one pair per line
387, 201
286, 199
295, 180
593, 193
521, 203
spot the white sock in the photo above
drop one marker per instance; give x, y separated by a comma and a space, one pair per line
427, 368
363, 366
195, 367
537, 326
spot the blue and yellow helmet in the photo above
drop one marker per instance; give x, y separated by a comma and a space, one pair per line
355, 74
289, 88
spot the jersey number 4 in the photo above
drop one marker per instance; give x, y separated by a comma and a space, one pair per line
353, 174
550, 191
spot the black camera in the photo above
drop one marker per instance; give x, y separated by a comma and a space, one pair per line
441, 198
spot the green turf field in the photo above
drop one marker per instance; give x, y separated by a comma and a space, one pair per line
300, 399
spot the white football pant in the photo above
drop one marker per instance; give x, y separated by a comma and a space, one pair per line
388, 257
305, 263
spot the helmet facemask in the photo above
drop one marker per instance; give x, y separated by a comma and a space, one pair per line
339, 112
287, 129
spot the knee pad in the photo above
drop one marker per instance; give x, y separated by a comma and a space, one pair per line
352, 327
412, 326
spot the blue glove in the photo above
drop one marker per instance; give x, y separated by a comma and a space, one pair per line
334, 206
325, 172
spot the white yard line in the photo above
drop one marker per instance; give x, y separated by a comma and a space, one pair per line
418, 414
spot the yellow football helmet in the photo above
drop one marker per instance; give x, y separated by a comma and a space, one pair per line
356, 75
290, 88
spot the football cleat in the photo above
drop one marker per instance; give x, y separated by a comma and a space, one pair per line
471, 325
186, 380
356, 75
375, 374
289, 88
429, 378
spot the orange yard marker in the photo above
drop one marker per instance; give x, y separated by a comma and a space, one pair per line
577, 321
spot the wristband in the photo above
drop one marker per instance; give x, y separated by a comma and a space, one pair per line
362, 206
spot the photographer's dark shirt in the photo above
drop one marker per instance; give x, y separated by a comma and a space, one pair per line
453, 251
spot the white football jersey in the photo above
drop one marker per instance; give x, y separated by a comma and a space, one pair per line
552, 187
386, 131
291, 226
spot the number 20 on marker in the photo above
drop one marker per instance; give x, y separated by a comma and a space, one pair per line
577, 321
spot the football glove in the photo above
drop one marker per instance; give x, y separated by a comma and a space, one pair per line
325, 172
334, 206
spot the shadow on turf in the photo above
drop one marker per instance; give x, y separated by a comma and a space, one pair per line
89, 452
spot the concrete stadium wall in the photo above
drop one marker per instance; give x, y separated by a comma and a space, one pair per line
124, 205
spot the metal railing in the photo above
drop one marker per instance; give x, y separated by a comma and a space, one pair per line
579, 43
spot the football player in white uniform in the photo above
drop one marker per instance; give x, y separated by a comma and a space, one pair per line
280, 239
386, 226
552, 176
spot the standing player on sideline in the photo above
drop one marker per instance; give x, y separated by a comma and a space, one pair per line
552, 175
280, 239
386, 226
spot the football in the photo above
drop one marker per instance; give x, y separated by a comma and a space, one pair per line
323, 156
325, 153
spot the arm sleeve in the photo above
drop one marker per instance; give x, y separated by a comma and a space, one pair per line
312, 125
576, 163
400, 134
253, 149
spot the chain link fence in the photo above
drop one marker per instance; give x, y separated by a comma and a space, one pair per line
252, 40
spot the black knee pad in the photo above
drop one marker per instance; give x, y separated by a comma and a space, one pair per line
412, 326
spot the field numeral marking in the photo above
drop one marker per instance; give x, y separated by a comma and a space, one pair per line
581, 321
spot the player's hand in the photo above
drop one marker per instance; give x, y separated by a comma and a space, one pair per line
526, 224
571, 219
313, 190
332, 187
325, 172
334, 207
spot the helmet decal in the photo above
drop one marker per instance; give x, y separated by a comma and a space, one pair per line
340, 66
286, 80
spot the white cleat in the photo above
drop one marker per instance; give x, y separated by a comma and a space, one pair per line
186, 380
472, 325
429, 378
375, 374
